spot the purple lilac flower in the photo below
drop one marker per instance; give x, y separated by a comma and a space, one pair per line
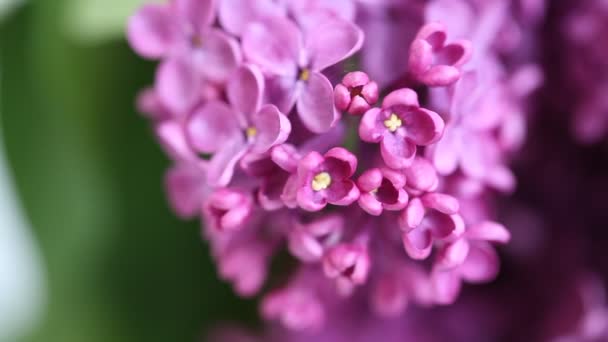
232, 131
434, 62
356, 94
262, 154
279, 47
399, 126
181, 34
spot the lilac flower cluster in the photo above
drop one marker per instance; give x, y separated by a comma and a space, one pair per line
584, 27
379, 183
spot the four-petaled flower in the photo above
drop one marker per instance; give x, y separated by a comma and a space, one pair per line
399, 126
326, 179
432, 61
382, 189
181, 33
278, 46
232, 131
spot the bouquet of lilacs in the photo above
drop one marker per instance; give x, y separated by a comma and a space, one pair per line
366, 138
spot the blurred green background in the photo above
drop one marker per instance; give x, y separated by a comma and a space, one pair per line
119, 265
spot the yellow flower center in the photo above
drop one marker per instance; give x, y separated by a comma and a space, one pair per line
251, 132
393, 122
321, 181
304, 74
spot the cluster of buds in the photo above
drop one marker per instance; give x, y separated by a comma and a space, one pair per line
359, 180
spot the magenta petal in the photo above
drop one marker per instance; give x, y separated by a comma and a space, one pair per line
333, 41
245, 89
397, 151
370, 204
310, 200
403, 97
402, 200
369, 129
311, 162
412, 216
453, 254
488, 231
235, 15
272, 126
304, 246
446, 153
446, 286
421, 175
440, 76
172, 138
151, 31
273, 44
316, 104
184, 184
348, 161
199, 13
178, 85
218, 57
285, 156
342, 97
209, 128
434, 33
481, 264
418, 243
420, 58
441, 202
342, 192
456, 53
370, 180
222, 164
423, 126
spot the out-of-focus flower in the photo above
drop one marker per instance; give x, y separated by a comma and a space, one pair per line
434, 62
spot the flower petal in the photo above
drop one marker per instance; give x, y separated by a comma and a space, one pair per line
218, 57
446, 152
418, 243
178, 85
453, 254
347, 161
222, 164
423, 126
185, 187
272, 126
481, 264
397, 151
412, 216
172, 138
404, 97
235, 15
151, 31
446, 285
370, 180
370, 128
273, 44
316, 104
489, 231
332, 41
370, 204
209, 128
199, 13
245, 89
342, 192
